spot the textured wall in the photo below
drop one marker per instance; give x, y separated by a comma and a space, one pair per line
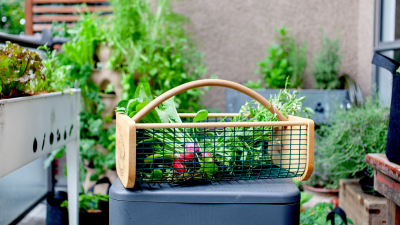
234, 34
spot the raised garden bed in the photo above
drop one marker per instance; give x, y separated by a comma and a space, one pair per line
31, 127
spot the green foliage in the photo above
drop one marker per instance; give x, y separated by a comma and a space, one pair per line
285, 59
254, 84
11, 14
18, 66
341, 146
88, 201
55, 77
147, 47
304, 197
76, 61
326, 66
56, 154
317, 215
154, 48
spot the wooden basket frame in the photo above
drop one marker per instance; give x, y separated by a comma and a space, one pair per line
126, 128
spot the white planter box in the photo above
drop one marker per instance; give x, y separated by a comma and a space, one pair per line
31, 127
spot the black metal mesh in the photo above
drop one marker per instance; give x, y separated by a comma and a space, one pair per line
225, 153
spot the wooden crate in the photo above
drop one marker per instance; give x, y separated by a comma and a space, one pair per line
361, 208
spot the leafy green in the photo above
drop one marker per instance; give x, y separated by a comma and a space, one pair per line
285, 59
55, 77
152, 46
88, 201
201, 115
18, 66
76, 62
317, 215
326, 66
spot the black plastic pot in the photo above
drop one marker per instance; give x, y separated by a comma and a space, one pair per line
56, 215
367, 186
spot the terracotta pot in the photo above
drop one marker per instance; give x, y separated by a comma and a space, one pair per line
320, 190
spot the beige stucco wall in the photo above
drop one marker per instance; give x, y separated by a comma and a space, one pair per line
234, 34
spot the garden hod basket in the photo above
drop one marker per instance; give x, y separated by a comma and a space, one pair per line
214, 149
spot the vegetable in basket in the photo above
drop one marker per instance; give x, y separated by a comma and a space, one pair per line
180, 154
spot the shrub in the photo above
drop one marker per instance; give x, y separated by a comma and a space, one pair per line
341, 146
326, 67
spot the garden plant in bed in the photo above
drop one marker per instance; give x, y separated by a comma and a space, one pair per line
341, 145
165, 57
23, 73
286, 59
181, 154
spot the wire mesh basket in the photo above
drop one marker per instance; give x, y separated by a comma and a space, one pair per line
214, 149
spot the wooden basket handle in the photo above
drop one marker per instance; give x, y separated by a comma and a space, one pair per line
203, 83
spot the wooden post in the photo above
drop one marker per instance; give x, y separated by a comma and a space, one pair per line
393, 213
28, 17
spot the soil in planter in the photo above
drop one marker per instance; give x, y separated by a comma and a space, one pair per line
15, 94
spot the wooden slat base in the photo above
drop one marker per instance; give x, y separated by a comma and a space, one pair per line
70, 9
361, 208
387, 182
387, 186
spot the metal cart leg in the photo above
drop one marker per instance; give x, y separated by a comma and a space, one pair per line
73, 181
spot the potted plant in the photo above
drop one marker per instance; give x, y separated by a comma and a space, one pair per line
341, 145
93, 209
287, 59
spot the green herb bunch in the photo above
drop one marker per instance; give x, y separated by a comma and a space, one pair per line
12, 12
154, 48
55, 77
326, 66
341, 146
88, 201
18, 67
285, 59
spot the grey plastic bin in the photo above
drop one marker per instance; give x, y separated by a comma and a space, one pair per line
270, 201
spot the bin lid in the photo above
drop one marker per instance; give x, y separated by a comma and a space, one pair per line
242, 191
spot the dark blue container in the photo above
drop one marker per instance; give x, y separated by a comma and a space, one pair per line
270, 201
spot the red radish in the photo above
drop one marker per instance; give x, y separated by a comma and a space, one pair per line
206, 154
179, 160
180, 168
192, 147
187, 155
